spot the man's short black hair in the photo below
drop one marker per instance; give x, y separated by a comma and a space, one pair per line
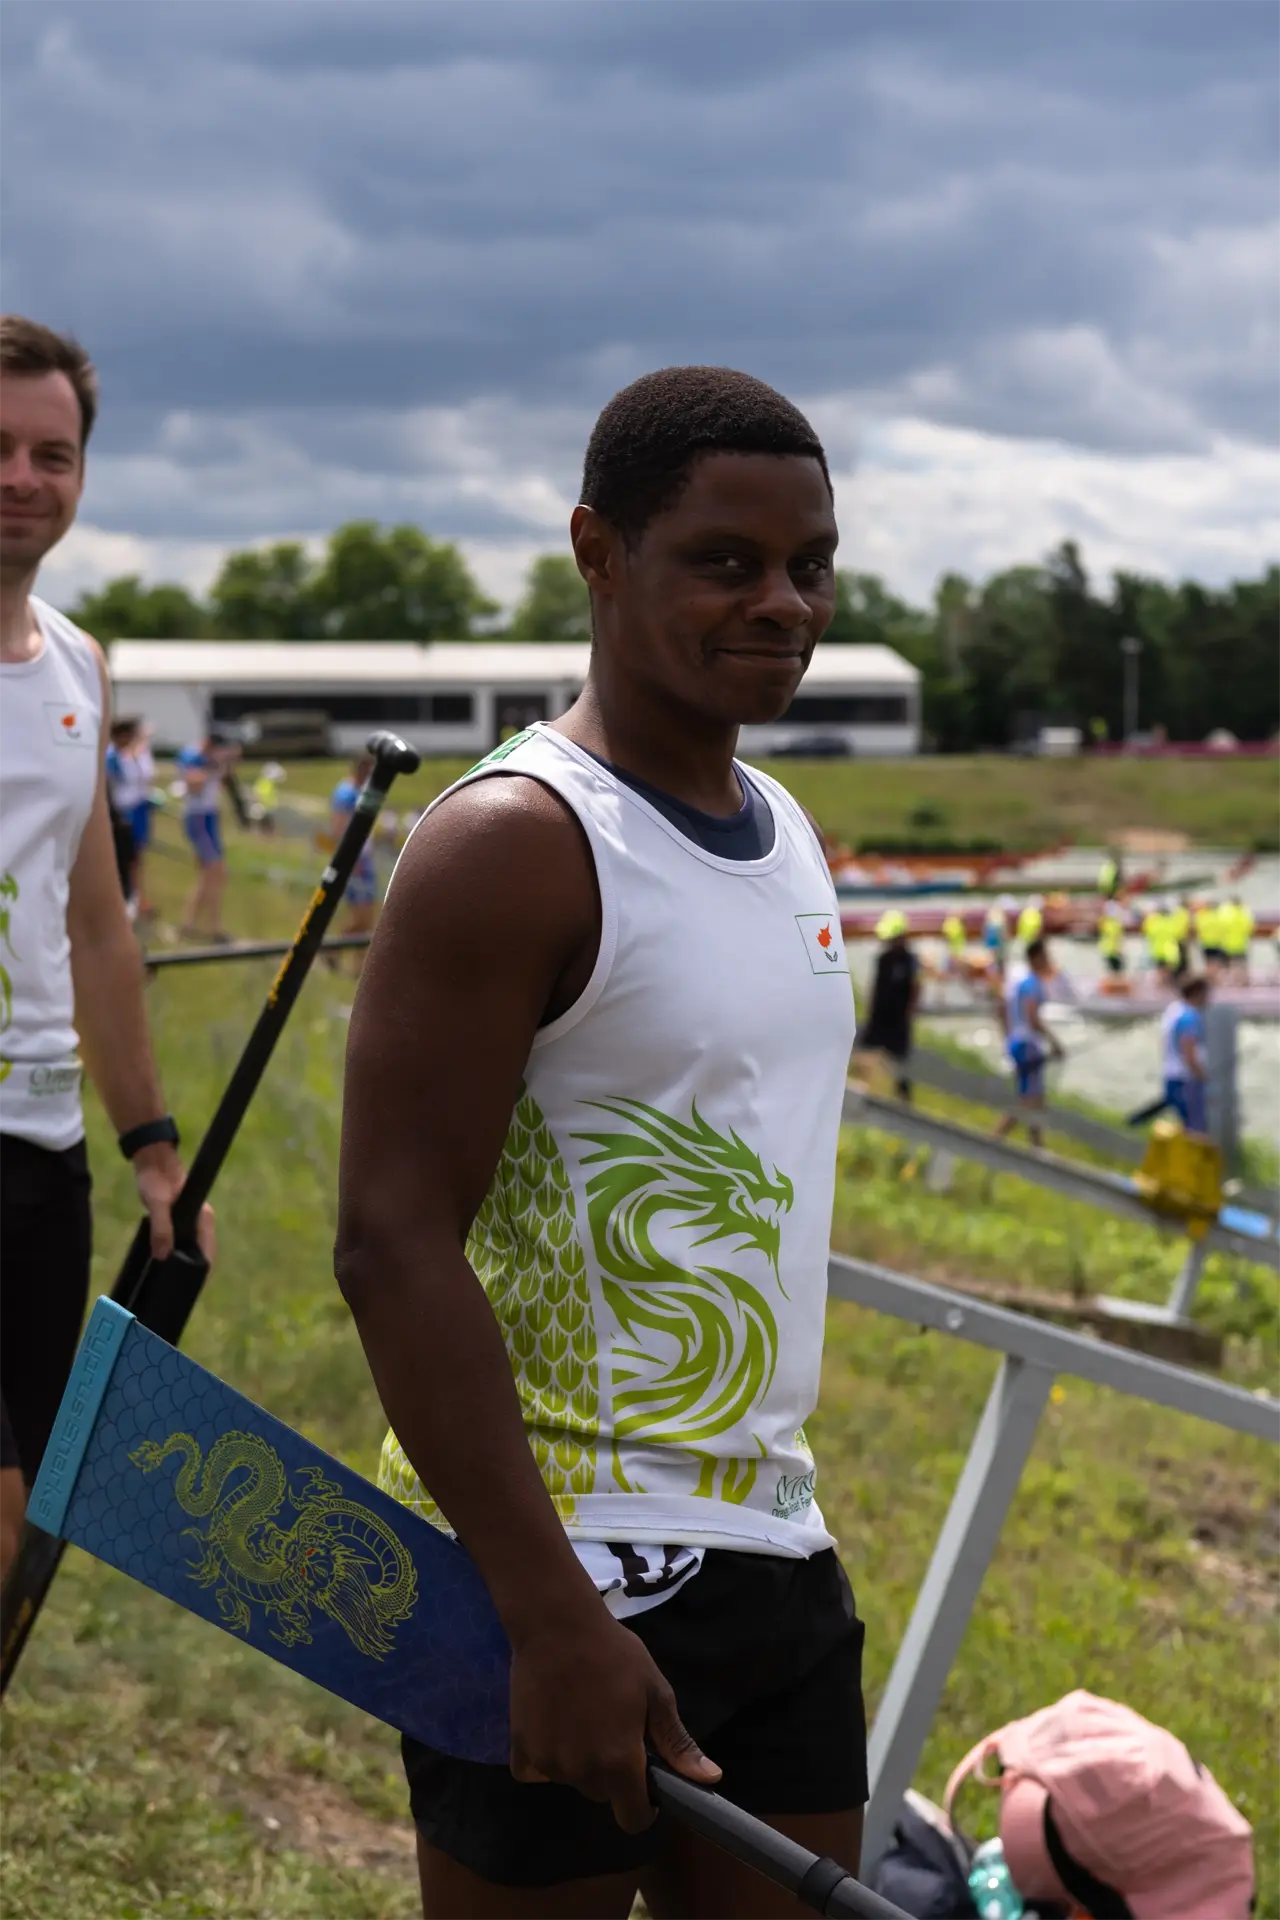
1037, 949
645, 442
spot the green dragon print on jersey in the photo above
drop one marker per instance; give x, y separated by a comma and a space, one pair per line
701, 1339
525, 1250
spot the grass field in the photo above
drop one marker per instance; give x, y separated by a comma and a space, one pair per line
1021, 803
155, 1768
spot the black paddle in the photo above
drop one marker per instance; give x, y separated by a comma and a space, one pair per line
162, 1293
820, 1882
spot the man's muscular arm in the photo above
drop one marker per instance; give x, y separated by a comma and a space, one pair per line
492, 924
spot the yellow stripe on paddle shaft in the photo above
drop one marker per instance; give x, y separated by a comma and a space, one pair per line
315, 900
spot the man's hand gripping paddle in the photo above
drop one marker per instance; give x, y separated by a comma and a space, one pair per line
346, 1586
162, 1293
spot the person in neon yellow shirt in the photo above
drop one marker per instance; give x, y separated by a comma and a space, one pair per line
1237, 932
1111, 939
1162, 947
954, 935
1031, 922
1207, 920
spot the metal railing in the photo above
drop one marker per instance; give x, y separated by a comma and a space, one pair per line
1032, 1354
153, 958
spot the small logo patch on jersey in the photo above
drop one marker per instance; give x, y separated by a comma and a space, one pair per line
69, 725
823, 942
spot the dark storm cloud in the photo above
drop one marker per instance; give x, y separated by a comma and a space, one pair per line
1032, 220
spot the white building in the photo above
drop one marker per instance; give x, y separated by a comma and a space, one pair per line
462, 697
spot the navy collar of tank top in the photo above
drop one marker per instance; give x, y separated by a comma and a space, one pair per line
747, 834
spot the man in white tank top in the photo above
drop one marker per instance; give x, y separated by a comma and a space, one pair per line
593, 1096
70, 971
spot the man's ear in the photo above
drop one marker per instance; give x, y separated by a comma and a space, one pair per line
597, 548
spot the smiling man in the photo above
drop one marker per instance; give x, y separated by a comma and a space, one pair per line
70, 971
593, 1094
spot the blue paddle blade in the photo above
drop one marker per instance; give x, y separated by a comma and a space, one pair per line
160, 1469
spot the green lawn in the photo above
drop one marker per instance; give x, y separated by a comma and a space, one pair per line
1021, 803
155, 1768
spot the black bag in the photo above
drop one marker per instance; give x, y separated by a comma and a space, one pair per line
925, 1870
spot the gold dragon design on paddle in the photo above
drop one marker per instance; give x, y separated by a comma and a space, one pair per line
337, 1556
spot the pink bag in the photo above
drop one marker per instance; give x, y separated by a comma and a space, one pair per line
1113, 1800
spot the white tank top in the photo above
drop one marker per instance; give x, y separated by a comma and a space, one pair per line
655, 1241
50, 732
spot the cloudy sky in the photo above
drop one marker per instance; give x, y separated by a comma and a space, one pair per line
339, 257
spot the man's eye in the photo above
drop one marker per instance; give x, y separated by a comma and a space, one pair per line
814, 566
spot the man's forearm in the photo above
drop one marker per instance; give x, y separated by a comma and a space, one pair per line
111, 1020
444, 1378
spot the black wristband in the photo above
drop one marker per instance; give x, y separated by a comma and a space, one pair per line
148, 1135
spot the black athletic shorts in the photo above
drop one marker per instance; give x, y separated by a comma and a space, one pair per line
764, 1656
45, 1247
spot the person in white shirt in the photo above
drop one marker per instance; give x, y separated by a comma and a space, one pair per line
620, 1130
71, 978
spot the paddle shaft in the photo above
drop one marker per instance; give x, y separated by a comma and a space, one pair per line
162, 1293
821, 1883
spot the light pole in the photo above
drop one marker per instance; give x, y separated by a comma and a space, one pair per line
1131, 647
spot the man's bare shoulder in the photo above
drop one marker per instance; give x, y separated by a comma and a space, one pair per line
491, 817
508, 831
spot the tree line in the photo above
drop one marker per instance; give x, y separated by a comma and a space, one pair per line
1030, 646
367, 583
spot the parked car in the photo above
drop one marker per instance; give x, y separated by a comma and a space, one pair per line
288, 734
814, 746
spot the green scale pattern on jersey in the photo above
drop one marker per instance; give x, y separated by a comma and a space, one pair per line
525, 1249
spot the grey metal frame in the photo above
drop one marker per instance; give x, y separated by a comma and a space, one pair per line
934, 1069
1095, 1186
1033, 1353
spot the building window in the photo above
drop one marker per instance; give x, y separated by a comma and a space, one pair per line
849, 709
440, 709
449, 709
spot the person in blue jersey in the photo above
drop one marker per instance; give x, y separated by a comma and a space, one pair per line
596, 1069
118, 805
130, 773
361, 896
1184, 1058
1028, 1040
203, 769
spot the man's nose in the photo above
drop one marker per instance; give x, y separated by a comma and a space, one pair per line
17, 472
781, 602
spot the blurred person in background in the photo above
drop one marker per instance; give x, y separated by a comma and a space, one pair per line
954, 963
1111, 940
130, 772
1184, 1058
361, 896
1030, 922
1030, 1043
203, 769
1180, 933
1236, 921
266, 796
71, 976
895, 995
1209, 930
121, 828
